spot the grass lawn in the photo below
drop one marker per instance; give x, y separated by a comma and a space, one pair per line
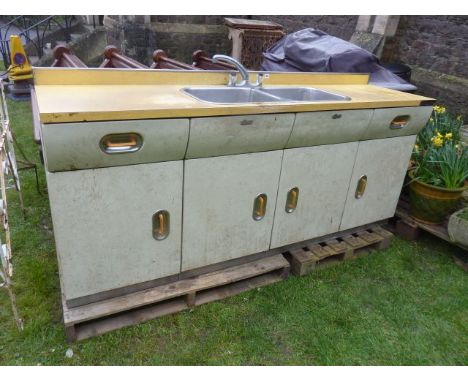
405, 305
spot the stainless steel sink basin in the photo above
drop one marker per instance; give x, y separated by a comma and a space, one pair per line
251, 95
231, 95
304, 94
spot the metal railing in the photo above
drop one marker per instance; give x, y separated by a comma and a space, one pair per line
34, 31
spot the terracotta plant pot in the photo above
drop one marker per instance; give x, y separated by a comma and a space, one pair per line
458, 229
432, 204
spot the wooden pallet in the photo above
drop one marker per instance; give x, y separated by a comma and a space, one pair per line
409, 228
322, 253
100, 317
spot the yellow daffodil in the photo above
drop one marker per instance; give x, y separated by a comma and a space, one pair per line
448, 136
437, 141
439, 109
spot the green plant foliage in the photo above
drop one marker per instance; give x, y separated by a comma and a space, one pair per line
440, 159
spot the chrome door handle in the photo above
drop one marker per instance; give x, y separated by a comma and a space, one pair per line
291, 199
259, 207
361, 187
121, 143
161, 225
399, 122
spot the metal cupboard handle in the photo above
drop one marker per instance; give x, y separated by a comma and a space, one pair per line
361, 187
291, 199
399, 122
161, 222
121, 143
259, 208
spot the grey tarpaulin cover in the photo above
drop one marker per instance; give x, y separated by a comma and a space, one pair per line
311, 50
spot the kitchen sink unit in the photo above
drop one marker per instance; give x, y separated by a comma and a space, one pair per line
157, 176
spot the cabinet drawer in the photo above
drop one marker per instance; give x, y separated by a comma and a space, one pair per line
214, 136
72, 146
327, 127
398, 121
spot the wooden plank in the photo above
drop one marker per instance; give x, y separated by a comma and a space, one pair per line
302, 254
321, 251
190, 299
370, 237
382, 232
407, 230
302, 261
354, 241
252, 24
172, 290
229, 290
129, 318
337, 246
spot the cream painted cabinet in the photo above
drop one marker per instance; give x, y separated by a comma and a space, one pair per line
239, 134
312, 192
83, 145
376, 181
115, 227
329, 127
229, 205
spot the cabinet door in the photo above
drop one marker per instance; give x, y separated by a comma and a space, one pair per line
103, 225
320, 176
380, 167
219, 198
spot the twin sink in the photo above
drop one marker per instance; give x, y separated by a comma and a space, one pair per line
260, 94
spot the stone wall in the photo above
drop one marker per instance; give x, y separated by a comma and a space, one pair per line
180, 36
436, 48
132, 36
339, 26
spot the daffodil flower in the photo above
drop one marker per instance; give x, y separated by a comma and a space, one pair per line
437, 141
439, 109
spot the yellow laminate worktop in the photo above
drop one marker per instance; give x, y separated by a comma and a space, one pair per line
76, 95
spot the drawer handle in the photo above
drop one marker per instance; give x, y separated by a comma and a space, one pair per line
161, 222
361, 187
399, 122
259, 208
121, 143
291, 200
